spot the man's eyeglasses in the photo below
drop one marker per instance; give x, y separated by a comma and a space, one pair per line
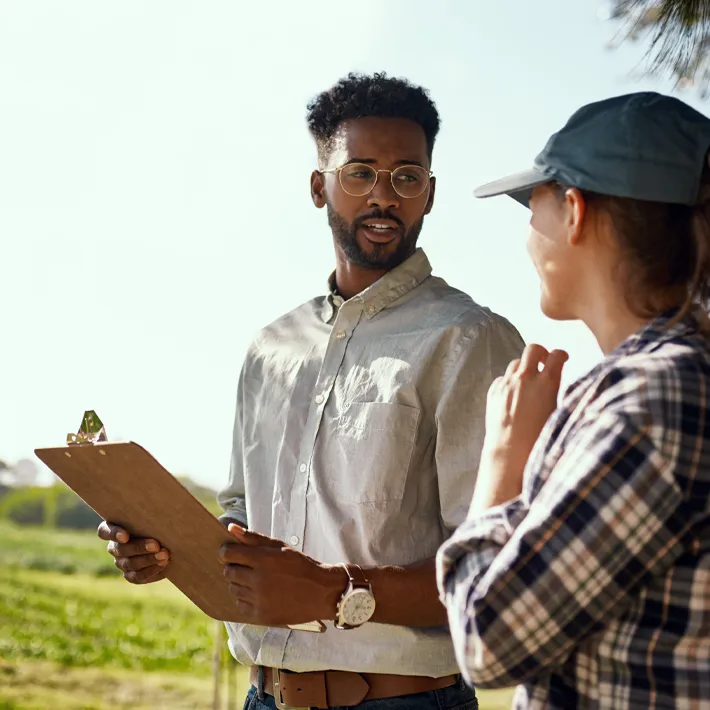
359, 179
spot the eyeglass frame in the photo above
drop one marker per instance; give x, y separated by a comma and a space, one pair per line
430, 175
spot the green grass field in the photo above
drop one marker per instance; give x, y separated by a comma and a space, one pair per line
75, 636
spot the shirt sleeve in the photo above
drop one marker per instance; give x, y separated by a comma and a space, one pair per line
232, 498
480, 355
524, 584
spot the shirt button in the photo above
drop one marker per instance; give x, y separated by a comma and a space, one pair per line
370, 309
303, 468
293, 540
319, 399
339, 334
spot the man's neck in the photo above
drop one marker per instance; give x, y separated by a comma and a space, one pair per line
351, 280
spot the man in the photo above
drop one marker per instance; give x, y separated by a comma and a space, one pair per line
358, 432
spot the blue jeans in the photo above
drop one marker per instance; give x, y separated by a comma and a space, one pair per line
456, 697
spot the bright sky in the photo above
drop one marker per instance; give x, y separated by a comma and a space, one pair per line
154, 206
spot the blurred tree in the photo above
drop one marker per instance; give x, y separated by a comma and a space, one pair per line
58, 506
52, 506
679, 32
25, 506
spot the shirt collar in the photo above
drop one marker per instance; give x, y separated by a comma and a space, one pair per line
385, 291
646, 340
654, 334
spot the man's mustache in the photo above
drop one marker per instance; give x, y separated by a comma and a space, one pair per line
379, 215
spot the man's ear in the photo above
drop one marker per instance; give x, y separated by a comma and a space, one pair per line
318, 189
430, 198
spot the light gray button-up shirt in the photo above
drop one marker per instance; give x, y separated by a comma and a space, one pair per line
357, 439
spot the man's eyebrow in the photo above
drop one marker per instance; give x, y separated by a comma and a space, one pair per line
409, 162
370, 161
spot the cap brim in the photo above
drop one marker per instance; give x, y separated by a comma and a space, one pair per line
519, 186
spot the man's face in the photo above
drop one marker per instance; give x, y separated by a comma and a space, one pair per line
378, 230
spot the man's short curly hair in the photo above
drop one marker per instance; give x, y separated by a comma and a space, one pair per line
360, 96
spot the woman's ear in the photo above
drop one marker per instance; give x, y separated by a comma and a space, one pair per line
576, 209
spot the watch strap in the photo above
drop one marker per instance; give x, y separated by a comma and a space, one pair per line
356, 576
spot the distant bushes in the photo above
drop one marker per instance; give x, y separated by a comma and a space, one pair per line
53, 506
58, 506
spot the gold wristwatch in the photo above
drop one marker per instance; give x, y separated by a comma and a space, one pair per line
357, 605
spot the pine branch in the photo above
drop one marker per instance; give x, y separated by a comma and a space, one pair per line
680, 35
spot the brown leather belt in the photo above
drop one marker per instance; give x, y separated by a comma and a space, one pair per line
327, 689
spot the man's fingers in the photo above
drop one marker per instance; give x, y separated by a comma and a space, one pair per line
238, 574
244, 555
139, 546
241, 593
139, 562
253, 539
249, 555
533, 356
144, 576
109, 531
156, 577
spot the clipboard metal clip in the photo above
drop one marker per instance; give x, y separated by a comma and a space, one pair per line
91, 430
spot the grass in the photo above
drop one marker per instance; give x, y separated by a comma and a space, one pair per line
65, 551
75, 636
80, 621
38, 685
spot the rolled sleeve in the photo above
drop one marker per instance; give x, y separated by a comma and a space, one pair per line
524, 586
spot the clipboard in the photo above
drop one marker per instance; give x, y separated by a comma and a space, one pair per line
127, 486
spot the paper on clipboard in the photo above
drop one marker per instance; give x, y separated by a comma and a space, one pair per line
127, 486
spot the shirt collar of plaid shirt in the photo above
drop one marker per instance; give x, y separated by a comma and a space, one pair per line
659, 331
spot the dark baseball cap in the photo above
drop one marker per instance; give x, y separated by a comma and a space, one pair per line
645, 146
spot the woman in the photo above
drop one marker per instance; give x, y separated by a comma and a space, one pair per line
583, 571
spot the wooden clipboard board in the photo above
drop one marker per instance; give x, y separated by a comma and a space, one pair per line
125, 485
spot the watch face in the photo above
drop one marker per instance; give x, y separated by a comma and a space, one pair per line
358, 607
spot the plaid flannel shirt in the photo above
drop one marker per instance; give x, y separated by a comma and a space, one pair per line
591, 590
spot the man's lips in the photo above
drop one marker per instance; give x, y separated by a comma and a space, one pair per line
380, 231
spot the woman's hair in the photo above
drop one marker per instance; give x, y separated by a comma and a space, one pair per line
667, 249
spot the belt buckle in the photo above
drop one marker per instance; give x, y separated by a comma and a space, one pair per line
278, 698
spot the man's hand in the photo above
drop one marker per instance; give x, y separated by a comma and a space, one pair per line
275, 585
141, 560
519, 403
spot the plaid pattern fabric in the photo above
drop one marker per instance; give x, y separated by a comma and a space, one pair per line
591, 590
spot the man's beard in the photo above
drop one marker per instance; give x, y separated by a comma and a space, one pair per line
379, 256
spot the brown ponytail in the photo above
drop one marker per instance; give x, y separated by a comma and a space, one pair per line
699, 287
667, 249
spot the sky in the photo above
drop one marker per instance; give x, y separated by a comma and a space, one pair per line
154, 189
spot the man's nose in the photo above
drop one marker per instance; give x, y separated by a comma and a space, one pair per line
383, 194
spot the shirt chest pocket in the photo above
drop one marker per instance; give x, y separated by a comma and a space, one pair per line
368, 454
